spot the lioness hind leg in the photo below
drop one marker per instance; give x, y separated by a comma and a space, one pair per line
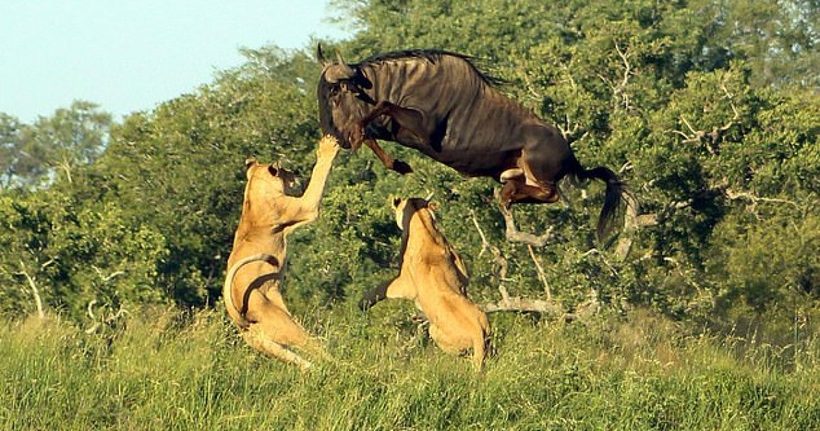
256, 338
443, 341
315, 349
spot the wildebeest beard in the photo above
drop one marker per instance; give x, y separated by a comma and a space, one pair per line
326, 114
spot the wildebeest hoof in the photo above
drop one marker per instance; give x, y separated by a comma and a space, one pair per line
365, 304
401, 167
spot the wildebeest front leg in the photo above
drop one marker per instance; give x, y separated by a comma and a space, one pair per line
374, 296
409, 122
399, 287
386, 159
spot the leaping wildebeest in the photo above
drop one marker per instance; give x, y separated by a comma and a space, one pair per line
442, 105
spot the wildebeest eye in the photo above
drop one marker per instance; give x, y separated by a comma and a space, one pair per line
272, 170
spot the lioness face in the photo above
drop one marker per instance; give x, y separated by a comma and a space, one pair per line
269, 179
405, 208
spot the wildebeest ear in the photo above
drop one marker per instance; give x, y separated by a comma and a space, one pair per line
320, 56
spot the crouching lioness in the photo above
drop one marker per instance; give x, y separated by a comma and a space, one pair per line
433, 276
256, 264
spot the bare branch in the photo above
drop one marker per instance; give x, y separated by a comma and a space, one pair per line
712, 137
514, 235
731, 101
630, 225
38, 302
566, 131
484, 244
627, 66
90, 309
691, 129
569, 75
733, 195
106, 278
530, 88
541, 275
603, 259
625, 167
499, 259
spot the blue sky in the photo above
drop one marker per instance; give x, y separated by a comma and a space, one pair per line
129, 55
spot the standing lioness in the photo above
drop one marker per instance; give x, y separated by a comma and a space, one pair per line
433, 276
257, 260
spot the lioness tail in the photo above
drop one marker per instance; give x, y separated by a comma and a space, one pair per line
238, 317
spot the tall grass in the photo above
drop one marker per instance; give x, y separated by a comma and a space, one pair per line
174, 370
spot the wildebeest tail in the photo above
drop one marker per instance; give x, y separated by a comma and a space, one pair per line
615, 190
238, 317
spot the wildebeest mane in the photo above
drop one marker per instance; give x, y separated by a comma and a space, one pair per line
431, 55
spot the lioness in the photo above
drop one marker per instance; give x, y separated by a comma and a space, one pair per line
256, 264
433, 276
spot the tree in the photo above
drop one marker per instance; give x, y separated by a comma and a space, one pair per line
34, 153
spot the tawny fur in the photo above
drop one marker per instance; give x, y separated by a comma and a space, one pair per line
258, 258
433, 276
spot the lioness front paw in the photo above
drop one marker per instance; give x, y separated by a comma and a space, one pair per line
328, 147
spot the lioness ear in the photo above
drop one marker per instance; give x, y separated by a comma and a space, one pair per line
396, 202
273, 171
250, 161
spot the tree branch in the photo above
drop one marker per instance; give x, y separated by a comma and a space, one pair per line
514, 235
630, 225
499, 259
38, 302
541, 275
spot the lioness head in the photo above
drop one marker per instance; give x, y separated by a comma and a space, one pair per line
269, 179
405, 208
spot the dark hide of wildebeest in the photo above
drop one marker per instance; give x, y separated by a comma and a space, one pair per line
440, 104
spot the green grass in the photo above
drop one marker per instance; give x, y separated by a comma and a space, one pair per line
172, 370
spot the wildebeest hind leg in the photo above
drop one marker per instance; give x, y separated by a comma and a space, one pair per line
518, 192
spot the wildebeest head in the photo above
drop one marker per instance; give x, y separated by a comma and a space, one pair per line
342, 97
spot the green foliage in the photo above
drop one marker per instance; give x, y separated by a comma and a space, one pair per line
75, 252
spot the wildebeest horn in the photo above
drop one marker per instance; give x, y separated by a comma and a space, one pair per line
340, 71
337, 72
320, 56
